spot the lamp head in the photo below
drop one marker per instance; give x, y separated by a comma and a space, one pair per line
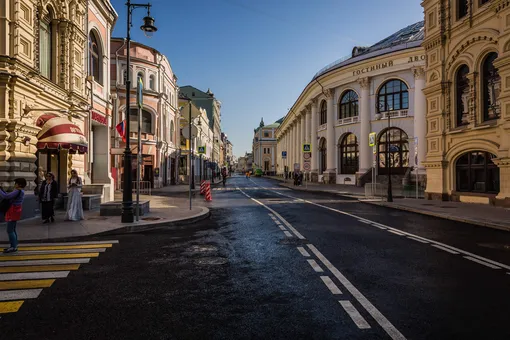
148, 27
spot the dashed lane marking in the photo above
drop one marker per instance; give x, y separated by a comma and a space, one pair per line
303, 251
355, 315
315, 266
481, 262
282, 228
25, 284
416, 239
395, 232
333, 288
288, 234
33, 276
445, 249
10, 307
49, 268
21, 294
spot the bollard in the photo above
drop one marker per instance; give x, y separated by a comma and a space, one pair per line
202, 187
208, 195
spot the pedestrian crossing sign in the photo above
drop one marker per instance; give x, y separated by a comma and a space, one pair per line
307, 148
371, 139
201, 150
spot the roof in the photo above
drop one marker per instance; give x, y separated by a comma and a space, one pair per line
408, 37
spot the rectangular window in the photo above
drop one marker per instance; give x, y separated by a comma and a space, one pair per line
483, 2
45, 49
462, 8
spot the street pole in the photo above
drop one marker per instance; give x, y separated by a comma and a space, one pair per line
388, 161
200, 170
190, 156
139, 163
127, 195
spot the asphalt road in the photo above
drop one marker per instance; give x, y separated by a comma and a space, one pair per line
273, 263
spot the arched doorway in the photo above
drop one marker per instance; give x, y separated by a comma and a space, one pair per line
476, 172
396, 140
322, 155
348, 154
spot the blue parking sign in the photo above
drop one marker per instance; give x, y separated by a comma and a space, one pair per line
284, 154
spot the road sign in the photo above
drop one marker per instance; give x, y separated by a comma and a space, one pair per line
201, 150
307, 165
284, 154
371, 138
307, 148
307, 155
185, 131
139, 93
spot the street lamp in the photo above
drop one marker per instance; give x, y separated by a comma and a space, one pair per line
148, 28
388, 161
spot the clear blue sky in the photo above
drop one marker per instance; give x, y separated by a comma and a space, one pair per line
258, 55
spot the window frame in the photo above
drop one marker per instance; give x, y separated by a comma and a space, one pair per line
46, 26
348, 105
403, 152
385, 92
485, 82
349, 154
462, 9
95, 58
323, 113
459, 87
488, 167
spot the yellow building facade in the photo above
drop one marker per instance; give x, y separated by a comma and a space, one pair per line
467, 44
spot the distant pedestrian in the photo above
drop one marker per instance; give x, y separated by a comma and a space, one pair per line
300, 178
12, 205
47, 194
74, 206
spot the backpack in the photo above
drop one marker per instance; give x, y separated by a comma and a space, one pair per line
5, 204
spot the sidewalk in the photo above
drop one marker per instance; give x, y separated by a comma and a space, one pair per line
163, 210
477, 214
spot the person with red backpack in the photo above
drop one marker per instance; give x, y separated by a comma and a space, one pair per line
11, 206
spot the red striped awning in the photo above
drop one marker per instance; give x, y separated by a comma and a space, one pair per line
60, 133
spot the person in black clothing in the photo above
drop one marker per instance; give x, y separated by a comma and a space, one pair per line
47, 194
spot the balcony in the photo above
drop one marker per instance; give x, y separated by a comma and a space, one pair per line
393, 114
349, 120
322, 127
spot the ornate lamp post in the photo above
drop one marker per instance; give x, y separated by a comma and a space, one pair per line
148, 28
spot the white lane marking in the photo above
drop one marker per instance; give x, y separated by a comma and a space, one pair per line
416, 239
331, 285
33, 276
20, 294
366, 222
282, 227
303, 252
42, 262
315, 266
288, 234
374, 312
482, 262
287, 224
395, 232
355, 315
375, 225
59, 251
445, 249
278, 222
62, 243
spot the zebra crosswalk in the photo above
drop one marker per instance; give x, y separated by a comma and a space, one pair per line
23, 275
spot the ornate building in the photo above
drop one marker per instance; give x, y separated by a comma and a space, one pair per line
45, 95
375, 89
467, 44
264, 147
160, 114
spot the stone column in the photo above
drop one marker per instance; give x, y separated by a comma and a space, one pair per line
365, 154
330, 173
307, 124
313, 140
420, 116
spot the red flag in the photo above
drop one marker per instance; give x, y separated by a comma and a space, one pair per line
121, 129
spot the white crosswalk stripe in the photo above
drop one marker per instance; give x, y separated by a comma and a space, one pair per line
33, 276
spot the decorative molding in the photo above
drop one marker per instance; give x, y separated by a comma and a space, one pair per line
419, 73
329, 93
364, 83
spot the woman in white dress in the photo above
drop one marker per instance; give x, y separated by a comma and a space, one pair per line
74, 205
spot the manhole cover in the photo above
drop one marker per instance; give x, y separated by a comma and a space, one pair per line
495, 246
211, 261
204, 248
292, 241
151, 218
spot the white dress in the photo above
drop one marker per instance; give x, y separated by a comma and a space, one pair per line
74, 206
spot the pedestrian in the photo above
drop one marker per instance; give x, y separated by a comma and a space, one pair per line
300, 178
11, 205
47, 194
74, 206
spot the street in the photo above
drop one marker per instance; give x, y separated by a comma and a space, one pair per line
273, 263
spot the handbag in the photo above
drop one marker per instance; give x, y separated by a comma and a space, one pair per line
5, 204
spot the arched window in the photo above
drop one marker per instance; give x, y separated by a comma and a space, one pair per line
491, 87
322, 155
46, 45
152, 82
138, 77
348, 105
95, 58
348, 154
145, 124
476, 172
462, 95
124, 76
323, 113
396, 141
462, 8
393, 96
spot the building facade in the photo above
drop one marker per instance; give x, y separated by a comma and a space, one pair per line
159, 115
264, 147
47, 95
467, 44
350, 99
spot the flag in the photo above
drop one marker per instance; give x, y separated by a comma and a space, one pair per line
121, 129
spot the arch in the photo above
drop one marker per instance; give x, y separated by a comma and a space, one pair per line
95, 57
322, 155
348, 154
394, 141
476, 172
490, 87
323, 113
393, 95
140, 74
462, 95
348, 105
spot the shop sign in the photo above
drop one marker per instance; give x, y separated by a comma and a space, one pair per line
97, 117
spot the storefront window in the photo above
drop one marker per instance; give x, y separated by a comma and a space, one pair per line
476, 172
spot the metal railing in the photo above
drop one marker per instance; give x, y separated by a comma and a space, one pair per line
145, 187
395, 114
348, 120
